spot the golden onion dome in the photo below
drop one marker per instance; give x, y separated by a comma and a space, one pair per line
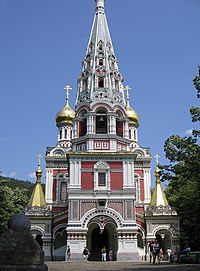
65, 115
132, 115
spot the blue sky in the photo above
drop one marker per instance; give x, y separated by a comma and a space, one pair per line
43, 43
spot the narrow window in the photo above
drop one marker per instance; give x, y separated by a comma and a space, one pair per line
119, 130
100, 62
65, 133
101, 124
101, 82
102, 179
63, 191
83, 127
60, 134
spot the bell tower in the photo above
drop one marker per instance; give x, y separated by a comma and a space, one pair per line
98, 176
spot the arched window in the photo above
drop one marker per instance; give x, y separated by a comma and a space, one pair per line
60, 133
85, 82
137, 187
100, 62
82, 123
119, 124
61, 188
83, 127
63, 191
116, 85
101, 175
101, 122
101, 82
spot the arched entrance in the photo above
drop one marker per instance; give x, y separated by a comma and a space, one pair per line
164, 239
98, 237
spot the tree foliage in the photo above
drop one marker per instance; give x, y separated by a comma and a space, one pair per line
14, 196
183, 174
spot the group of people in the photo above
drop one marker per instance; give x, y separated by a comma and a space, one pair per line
104, 253
86, 254
155, 251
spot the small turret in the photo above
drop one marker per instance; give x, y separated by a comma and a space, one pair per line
158, 196
37, 197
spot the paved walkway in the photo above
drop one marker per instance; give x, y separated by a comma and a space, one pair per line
119, 266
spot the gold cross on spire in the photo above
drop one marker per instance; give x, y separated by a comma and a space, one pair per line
157, 157
127, 88
67, 88
39, 159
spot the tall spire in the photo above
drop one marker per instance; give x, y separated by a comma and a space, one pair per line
158, 196
37, 197
100, 79
99, 5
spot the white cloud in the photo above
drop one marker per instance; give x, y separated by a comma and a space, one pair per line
13, 174
31, 175
189, 132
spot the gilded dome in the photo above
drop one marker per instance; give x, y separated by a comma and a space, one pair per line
65, 115
132, 115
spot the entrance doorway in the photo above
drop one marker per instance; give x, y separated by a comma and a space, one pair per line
97, 239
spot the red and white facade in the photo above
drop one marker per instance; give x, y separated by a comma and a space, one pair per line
98, 182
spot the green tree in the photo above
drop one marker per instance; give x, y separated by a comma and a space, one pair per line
183, 174
12, 200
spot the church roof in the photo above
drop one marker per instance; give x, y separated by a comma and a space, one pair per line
158, 197
37, 198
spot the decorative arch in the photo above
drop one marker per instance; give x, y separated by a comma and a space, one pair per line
139, 152
103, 105
80, 113
119, 108
141, 230
58, 152
161, 228
60, 236
101, 165
37, 229
101, 212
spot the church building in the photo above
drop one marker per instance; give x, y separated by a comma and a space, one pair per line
98, 181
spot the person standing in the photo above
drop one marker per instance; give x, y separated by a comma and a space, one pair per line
103, 254
156, 251
110, 254
151, 251
169, 251
68, 254
86, 253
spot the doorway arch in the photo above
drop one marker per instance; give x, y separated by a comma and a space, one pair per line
164, 239
98, 237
